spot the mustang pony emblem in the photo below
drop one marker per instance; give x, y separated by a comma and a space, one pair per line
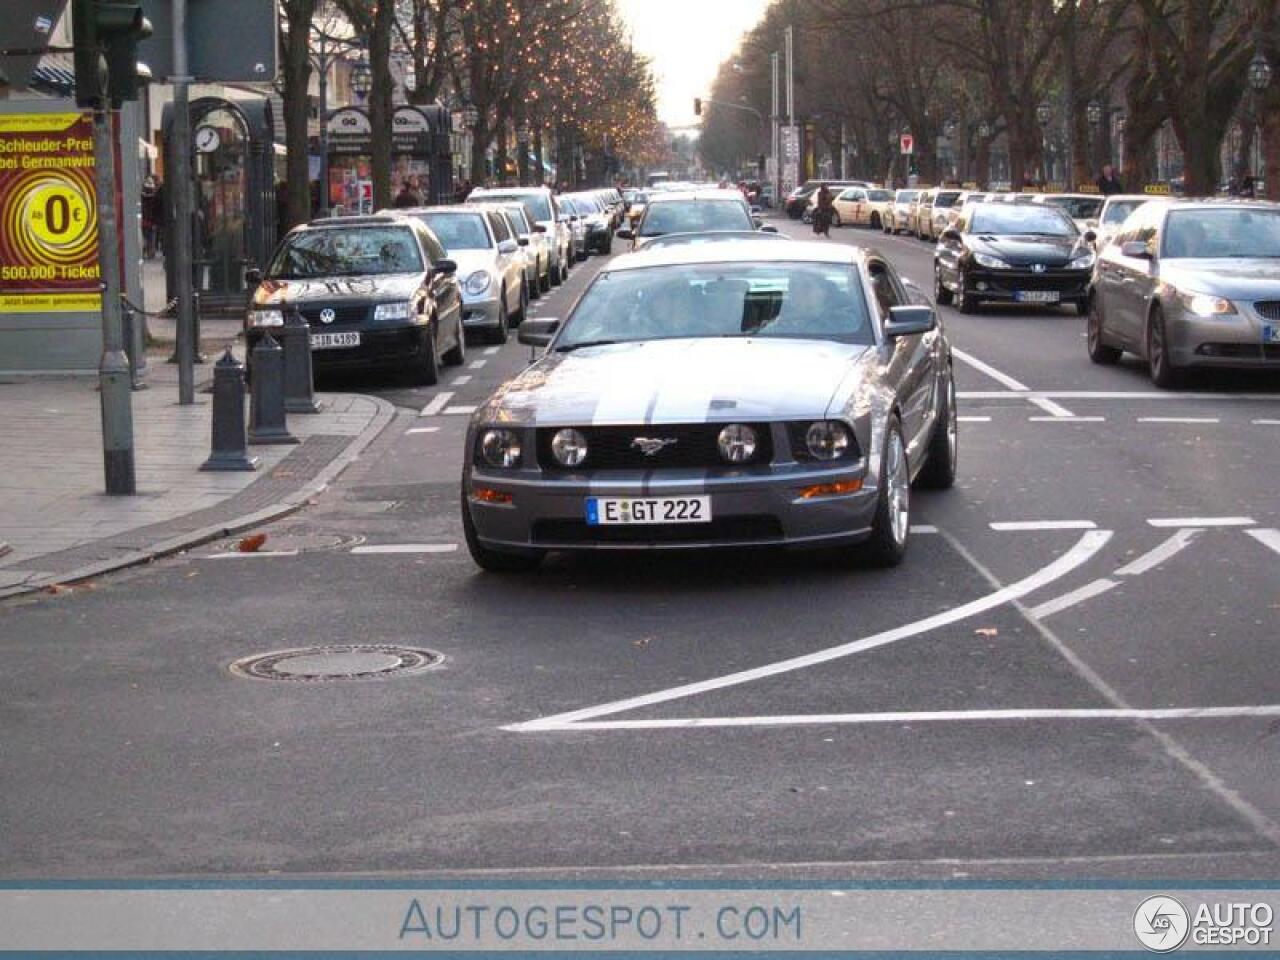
652, 446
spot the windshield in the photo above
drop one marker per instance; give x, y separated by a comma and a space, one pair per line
1037, 220
907, 196
1079, 208
714, 236
694, 216
1117, 211
347, 251
791, 300
945, 199
879, 196
537, 203
1208, 234
458, 231
517, 214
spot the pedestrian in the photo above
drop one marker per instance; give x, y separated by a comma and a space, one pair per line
152, 216
825, 211
1108, 182
410, 195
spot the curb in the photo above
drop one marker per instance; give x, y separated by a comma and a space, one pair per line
281, 508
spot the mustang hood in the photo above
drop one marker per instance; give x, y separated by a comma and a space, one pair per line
395, 286
678, 381
1023, 251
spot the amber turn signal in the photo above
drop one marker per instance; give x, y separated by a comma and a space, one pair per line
831, 489
488, 495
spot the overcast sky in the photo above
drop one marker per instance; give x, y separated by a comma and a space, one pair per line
687, 40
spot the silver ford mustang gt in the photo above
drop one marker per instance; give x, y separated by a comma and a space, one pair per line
742, 394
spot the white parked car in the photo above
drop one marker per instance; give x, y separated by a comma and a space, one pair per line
863, 207
1083, 208
538, 249
902, 212
545, 212
1115, 210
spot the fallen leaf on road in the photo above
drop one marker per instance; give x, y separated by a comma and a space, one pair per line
55, 588
986, 632
252, 544
642, 642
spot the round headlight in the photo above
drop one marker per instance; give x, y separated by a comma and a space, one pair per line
477, 283
569, 447
500, 448
827, 439
737, 443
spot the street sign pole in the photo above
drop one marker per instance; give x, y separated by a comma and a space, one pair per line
114, 382
777, 151
180, 184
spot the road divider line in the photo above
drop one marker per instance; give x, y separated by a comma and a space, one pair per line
1087, 592
923, 528
423, 430
1008, 526
461, 380
1201, 521
477, 364
1070, 419
397, 548
1268, 538
438, 403
1266, 423
931, 716
1084, 550
983, 367
459, 411
490, 351
974, 419
1179, 420
1153, 558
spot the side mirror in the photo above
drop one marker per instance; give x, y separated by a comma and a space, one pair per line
253, 276
951, 235
909, 322
445, 268
508, 246
523, 241
769, 228
757, 222
1090, 236
1136, 250
538, 332
539, 228
626, 233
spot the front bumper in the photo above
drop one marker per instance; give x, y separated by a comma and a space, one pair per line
381, 347
756, 507
1232, 341
481, 313
1003, 286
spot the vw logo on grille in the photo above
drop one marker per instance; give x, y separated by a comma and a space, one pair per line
327, 315
652, 446
1037, 268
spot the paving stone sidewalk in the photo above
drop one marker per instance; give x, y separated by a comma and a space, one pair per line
58, 523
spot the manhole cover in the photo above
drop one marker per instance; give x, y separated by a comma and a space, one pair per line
349, 661
301, 542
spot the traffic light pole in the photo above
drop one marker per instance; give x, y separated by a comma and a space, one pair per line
180, 186
113, 369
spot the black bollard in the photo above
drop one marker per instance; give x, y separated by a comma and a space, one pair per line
229, 450
266, 407
299, 388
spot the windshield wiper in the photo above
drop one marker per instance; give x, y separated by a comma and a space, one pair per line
585, 343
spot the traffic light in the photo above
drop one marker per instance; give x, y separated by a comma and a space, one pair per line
697, 106
106, 39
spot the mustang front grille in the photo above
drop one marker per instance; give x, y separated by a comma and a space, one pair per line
622, 448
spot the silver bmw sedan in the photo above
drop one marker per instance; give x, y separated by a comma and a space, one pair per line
739, 394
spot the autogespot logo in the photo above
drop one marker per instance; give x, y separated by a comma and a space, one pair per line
1161, 924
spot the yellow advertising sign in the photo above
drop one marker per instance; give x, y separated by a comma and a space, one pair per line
1157, 189
48, 214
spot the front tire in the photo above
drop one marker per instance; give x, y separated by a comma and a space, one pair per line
939, 470
457, 356
1100, 352
494, 561
965, 301
1159, 364
892, 522
941, 295
427, 372
875, 221
498, 335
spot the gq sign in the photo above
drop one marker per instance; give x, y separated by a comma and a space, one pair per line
48, 214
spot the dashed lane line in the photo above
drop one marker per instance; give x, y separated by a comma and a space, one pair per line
400, 548
1179, 420
459, 411
1071, 419
477, 364
422, 430
461, 380
974, 419
237, 555
1023, 525
438, 403
1201, 521
490, 351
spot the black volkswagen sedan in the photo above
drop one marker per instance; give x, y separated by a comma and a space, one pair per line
376, 292
1010, 253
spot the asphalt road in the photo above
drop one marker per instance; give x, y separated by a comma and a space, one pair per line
1071, 676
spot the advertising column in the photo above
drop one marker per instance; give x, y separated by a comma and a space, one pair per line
48, 214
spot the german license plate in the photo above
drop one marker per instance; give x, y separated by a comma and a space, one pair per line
1270, 333
1036, 296
327, 341
607, 511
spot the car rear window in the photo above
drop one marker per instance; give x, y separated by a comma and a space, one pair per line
695, 216
458, 231
537, 203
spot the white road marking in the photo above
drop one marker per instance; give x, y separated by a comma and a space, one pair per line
406, 548
1051, 408
490, 351
461, 380
423, 430
1071, 419
1179, 420
923, 528
1154, 557
982, 367
1201, 521
1266, 423
1087, 592
237, 555
1107, 395
1088, 545
1007, 526
930, 716
1268, 538
477, 364
974, 419
459, 411
437, 404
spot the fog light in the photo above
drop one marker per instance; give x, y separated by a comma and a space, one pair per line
831, 489
737, 443
981, 285
489, 495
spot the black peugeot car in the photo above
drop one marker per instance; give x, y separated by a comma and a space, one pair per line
376, 292
1010, 253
